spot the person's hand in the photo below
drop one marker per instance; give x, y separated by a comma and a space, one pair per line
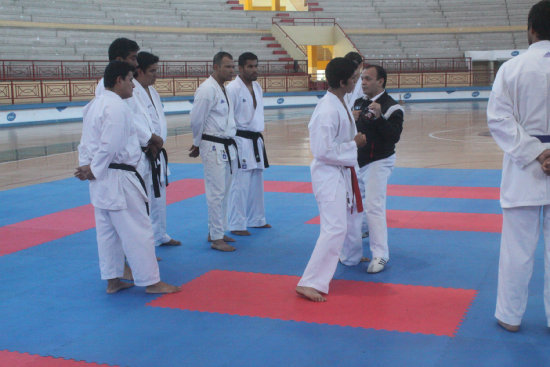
84, 173
153, 150
360, 140
543, 156
376, 109
194, 151
356, 114
546, 166
156, 141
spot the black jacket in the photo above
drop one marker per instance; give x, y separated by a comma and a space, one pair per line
382, 133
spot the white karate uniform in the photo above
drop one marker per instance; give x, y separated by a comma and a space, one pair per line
122, 224
519, 107
144, 129
246, 196
158, 205
331, 133
212, 115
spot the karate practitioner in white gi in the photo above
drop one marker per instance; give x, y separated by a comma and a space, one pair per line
357, 92
214, 128
518, 116
246, 196
148, 97
109, 153
334, 141
123, 49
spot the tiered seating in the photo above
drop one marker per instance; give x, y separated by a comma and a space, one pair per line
352, 15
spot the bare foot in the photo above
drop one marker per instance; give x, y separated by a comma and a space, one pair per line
310, 293
364, 259
172, 242
221, 245
162, 287
127, 273
241, 233
267, 225
225, 238
115, 285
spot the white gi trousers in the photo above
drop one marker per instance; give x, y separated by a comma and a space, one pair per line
246, 200
520, 234
158, 207
217, 182
373, 183
127, 231
340, 229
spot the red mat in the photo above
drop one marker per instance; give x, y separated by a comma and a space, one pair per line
184, 189
16, 359
455, 192
442, 221
32, 232
394, 307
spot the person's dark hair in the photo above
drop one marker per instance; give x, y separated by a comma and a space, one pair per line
245, 57
538, 19
355, 57
219, 56
146, 59
339, 69
380, 73
115, 69
121, 47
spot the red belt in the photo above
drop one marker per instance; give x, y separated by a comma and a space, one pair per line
356, 191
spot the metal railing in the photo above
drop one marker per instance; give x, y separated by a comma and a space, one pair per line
67, 70
423, 65
304, 21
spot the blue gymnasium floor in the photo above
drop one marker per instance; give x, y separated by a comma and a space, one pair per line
53, 302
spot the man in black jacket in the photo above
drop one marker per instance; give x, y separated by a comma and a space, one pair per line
380, 118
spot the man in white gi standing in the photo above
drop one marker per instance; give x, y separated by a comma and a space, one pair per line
148, 97
246, 196
518, 116
357, 92
214, 128
109, 153
334, 141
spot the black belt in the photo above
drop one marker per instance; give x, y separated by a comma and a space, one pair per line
543, 138
155, 169
126, 167
226, 143
255, 136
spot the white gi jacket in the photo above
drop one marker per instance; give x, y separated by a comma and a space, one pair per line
331, 135
519, 107
212, 115
154, 108
109, 136
247, 118
144, 125
142, 121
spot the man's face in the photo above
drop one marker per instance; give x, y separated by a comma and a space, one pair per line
249, 72
371, 85
225, 70
149, 76
131, 59
352, 81
125, 87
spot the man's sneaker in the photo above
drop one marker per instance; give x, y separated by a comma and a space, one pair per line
376, 265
